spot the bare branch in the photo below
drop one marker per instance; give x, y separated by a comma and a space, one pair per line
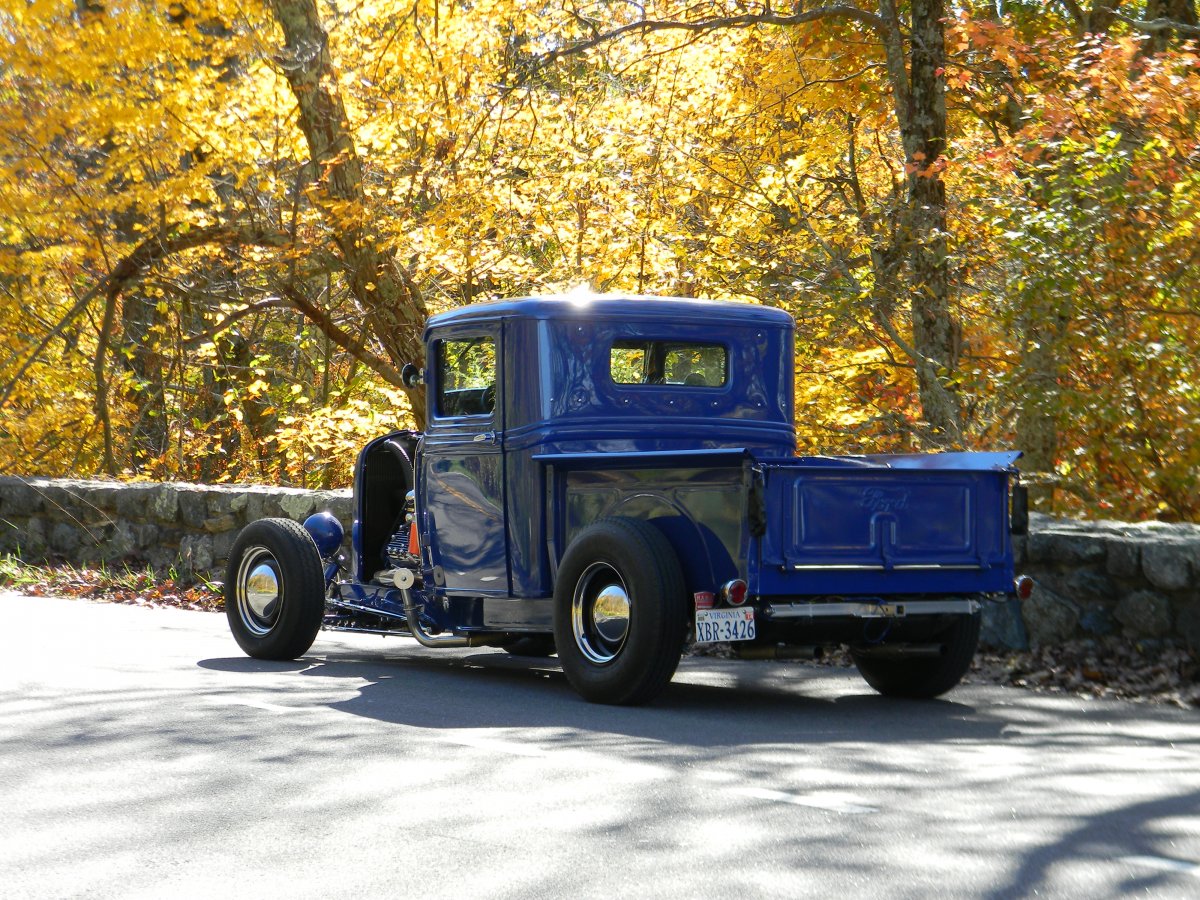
248, 310
66, 320
1075, 11
140, 260
1160, 25
342, 338
746, 20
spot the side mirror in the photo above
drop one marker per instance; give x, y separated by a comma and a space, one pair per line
412, 376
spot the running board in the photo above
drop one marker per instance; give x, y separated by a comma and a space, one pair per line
386, 632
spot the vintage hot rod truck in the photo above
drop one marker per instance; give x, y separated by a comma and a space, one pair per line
613, 478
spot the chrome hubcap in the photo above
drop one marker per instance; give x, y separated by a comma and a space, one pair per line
259, 591
600, 613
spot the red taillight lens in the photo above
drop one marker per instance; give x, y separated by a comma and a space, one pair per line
734, 592
1023, 587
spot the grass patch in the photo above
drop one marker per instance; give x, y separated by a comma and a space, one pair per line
123, 584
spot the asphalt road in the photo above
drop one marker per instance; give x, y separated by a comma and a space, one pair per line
141, 755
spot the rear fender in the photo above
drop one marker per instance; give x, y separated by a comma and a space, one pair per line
705, 561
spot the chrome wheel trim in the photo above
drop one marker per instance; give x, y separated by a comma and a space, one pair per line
600, 613
259, 591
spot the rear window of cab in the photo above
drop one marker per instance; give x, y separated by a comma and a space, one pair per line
664, 362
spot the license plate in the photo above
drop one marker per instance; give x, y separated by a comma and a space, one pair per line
724, 625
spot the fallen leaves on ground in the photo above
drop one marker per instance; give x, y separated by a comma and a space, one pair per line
1156, 671
140, 587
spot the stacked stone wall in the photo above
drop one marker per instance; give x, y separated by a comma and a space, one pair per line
1094, 579
1097, 579
187, 527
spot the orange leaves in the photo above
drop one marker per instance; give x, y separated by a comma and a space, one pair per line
916, 166
141, 587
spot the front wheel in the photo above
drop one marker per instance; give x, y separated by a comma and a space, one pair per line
919, 677
274, 590
620, 612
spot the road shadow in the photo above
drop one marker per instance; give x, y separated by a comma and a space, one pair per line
496, 690
1131, 835
247, 664
746, 702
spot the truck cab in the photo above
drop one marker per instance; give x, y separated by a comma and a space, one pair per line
612, 478
515, 389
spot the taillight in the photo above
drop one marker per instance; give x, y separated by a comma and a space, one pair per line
1023, 587
733, 592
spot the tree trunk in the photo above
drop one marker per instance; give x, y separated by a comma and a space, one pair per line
918, 86
1181, 11
1042, 330
936, 334
143, 359
393, 306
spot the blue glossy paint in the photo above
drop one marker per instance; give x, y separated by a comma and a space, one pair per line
879, 528
562, 394
380, 600
501, 492
461, 478
560, 398
326, 532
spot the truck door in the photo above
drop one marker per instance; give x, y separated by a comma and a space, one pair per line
462, 468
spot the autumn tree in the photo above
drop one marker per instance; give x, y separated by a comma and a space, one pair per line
223, 224
1074, 97
909, 48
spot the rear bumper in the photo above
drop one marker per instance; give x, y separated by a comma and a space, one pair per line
896, 609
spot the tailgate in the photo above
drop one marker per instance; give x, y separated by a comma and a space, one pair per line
886, 525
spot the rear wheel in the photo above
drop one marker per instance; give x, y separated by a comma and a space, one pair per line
923, 677
274, 590
619, 612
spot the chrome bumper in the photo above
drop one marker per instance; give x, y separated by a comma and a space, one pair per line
860, 610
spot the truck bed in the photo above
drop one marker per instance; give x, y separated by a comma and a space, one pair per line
814, 527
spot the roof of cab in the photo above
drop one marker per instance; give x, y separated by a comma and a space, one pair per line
615, 306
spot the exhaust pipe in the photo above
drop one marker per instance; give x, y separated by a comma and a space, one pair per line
900, 651
425, 639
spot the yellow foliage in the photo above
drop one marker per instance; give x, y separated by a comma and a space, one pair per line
759, 164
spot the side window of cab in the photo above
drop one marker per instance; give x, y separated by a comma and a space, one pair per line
466, 377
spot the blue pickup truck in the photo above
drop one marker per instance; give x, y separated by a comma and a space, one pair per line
614, 479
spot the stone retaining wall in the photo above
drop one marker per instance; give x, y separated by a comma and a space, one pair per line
1094, 579
187, 527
